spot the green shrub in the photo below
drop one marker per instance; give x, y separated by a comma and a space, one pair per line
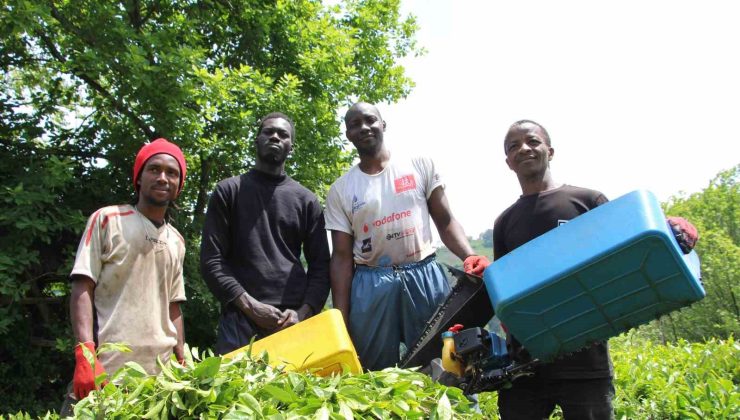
655, 381
682, 380
248, 388
652, 381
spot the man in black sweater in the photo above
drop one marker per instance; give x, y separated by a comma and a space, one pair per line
580, 383
255, 227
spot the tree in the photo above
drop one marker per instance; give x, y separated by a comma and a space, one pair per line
487, 238
85, 83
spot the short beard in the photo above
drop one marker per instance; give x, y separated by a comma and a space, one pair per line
272, 159
155, 203
369, 151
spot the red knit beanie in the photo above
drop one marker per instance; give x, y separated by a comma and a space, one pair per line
156, 147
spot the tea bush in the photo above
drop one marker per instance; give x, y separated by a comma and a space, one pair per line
652, 381
243, 387
681, 380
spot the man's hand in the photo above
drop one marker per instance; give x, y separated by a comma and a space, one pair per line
291, 318
475, 264
684, 232
265, 316
84, 377
179, 355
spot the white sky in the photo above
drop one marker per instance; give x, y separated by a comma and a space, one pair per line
635, 94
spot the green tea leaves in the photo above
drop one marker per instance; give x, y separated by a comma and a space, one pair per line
246, 387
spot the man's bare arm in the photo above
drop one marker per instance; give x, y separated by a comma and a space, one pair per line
177, 320
341, 270
450, 230
81, 308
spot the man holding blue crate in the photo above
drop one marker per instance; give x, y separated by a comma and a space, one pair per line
581, 382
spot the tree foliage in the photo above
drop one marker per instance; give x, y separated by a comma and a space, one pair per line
85, 83
487, 238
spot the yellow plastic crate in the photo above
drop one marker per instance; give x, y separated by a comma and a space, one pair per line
320, 344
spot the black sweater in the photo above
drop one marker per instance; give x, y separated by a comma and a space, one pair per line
255, 227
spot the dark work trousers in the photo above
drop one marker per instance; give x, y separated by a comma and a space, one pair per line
536, 398
235, 330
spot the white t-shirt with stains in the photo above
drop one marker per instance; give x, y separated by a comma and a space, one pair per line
386, 213
137, 270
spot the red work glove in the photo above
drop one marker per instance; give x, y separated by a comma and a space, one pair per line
685, 233
84, 378
475, 264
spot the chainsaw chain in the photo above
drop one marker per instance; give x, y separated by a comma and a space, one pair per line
432, 323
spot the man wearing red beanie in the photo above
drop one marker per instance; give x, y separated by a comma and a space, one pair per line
127, 281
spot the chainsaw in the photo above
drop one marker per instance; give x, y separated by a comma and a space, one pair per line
484, 355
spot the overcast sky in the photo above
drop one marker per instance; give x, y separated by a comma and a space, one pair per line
635, 95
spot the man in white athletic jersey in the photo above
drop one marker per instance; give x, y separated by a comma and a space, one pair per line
384, 276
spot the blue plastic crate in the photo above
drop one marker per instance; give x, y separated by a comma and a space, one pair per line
613, 268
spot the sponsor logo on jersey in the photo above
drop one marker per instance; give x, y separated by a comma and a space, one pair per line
402, 234
367, 245
356, 204
391, 218
405, 183
365, 228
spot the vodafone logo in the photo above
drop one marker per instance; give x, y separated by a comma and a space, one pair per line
391, 218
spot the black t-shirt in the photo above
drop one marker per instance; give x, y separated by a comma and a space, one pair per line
531, 216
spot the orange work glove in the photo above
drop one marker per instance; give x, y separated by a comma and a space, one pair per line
84, 377
475, 264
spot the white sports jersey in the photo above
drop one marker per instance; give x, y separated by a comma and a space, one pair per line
386, 213
137, 270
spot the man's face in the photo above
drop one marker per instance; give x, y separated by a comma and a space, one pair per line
365, 128
160, 180
274, 141
527, 154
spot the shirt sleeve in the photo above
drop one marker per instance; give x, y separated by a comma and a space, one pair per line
88, 261
177, 287
316, 250
335, 216
215, 246
499, 249
430, 176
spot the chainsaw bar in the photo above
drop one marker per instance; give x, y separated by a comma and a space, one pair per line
468, 304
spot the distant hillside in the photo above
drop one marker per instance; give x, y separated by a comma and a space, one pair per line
445, 256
